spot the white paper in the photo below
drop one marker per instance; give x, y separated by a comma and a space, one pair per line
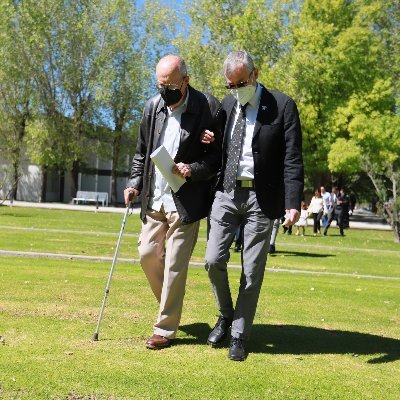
165, 164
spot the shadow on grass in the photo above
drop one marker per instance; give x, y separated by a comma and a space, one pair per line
11, 214
300, 254
301, 340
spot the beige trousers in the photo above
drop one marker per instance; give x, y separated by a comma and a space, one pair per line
165, 248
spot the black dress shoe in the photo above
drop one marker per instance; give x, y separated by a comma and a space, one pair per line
271, 249
237, 352
219, 332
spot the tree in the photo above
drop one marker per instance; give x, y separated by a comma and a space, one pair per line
369, 120
90, 62
15, 99
217, 27
61, 44
343, 70
131, 48
66, 71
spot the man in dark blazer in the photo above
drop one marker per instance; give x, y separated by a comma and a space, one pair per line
341, 206
332, 209
261, 178
175, 118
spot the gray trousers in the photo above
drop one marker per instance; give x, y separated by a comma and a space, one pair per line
228, 212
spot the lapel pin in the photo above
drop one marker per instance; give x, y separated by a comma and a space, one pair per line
263, 108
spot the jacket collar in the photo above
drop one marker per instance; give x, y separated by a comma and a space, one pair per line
263, 110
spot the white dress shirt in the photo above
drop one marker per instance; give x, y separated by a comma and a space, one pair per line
170, 138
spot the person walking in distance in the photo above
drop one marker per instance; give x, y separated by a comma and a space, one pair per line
317, 209
175, 118
327, 200
342, 210
302, 222
332, 214
260, 178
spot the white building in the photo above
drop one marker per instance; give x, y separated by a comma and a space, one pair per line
95, 177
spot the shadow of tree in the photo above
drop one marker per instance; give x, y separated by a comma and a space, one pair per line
302, 340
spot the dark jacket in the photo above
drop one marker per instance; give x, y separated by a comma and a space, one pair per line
342, 210
193, 200
277, 152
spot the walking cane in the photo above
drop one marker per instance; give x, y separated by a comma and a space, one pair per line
96, 334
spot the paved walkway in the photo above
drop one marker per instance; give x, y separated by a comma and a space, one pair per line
74, 207
35, 254
361, 219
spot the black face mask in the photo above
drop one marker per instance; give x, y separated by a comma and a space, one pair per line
170, 96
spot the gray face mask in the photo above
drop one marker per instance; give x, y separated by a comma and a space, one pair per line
244, 94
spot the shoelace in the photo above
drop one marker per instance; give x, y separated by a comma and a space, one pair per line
237, 342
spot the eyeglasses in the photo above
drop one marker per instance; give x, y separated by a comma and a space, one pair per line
239, 84
170, 86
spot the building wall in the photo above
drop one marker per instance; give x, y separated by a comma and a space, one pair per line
29, 186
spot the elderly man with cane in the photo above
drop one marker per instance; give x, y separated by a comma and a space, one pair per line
175, 119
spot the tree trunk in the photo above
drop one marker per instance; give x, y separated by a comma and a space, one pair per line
114, 168
397, 231
15, 179
21, 129
43, 185
62, 185
74, 176
119, 120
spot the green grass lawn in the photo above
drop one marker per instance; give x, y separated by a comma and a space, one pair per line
315, 336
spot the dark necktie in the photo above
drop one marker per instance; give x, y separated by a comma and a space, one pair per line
234, 148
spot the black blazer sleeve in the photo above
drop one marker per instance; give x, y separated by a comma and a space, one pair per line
293, 162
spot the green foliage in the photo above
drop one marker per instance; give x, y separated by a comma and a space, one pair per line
344, 157
219, 26
88, 62
130, 51
72, 65
338, 59
16, 94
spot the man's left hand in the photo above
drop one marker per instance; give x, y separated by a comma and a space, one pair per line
291, 217
183, 170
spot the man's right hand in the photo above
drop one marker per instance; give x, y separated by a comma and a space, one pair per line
130, 195
207, 137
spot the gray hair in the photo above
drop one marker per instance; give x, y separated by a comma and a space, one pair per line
236, 58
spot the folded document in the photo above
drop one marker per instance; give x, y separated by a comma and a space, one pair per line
165, 164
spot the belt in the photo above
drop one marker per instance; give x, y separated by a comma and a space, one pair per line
245, 183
